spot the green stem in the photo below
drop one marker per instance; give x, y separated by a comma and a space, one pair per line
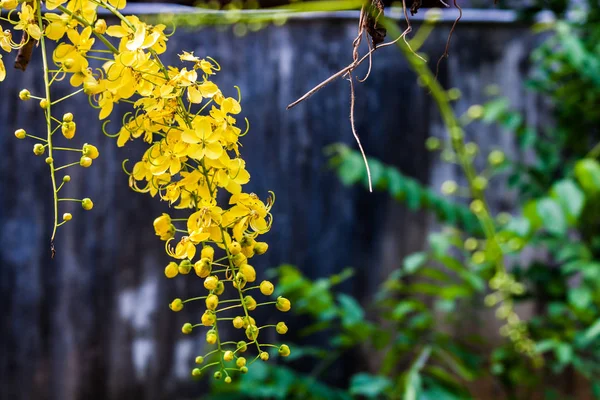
48, 122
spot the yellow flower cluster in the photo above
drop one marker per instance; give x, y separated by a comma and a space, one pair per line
193, 152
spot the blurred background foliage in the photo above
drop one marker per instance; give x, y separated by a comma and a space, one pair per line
402, 339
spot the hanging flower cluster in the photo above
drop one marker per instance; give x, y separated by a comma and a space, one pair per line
193, 153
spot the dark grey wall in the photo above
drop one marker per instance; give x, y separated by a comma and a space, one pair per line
94, 324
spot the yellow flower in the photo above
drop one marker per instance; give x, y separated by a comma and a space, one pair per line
2, 70
5, 40
163, 227
184, 249
210, 282
212, 302
131, 39
208, 318
28, 22
284, 350
203, 141
118, 4
203, 267
176, 305
266, 288
283, 304
281, 328
72, 56
171, 270
9, 4
90, 151
238, 322
233, 176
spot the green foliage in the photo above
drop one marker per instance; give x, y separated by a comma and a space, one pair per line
351, 170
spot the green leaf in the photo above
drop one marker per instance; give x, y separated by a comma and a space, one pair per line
369, 386
414, 261
352, 311
570, 197
564, 353
591, 333
552, 216
493, 110
587, 172
351, 169
580, 297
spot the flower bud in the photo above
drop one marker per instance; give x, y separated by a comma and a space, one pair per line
199, 360
187, 328
244, 370
283, 304
477, 206
433, 143
471, 149
480, 183
227, 379
240, 362
20, 133
210, 282
68, 129
67, 217
185, 266
196, 372
250, 303
24, 95
239, 281
208, 318
68, 117
176, 305
496, 158
239, 259
252, 332
266, 288
207, 252
242, 346
203, 267
171, 270
248, 321
261, 248
234, 248
38, 149
471, 244
228, 355
44, 103
264, 355
49, 160
449, 187
212, 302
90, 151
476, 111
249, 272
219, 289
66, 178
85, 162
248, 251
218, 375
163, 227
211, 337
281, 328
100, 27
238, 322
87, 204
284, 350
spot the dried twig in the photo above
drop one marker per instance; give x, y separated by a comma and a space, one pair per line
447, 49
362, 151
